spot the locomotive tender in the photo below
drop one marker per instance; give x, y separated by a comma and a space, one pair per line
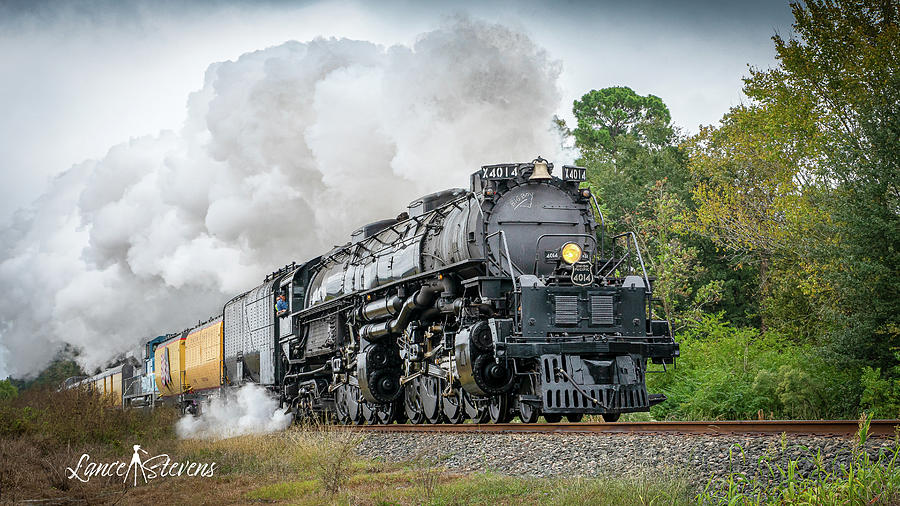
506, 299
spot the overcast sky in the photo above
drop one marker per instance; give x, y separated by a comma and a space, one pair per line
79, 77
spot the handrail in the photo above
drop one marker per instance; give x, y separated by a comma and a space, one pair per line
602, 224
512, 271
637, 249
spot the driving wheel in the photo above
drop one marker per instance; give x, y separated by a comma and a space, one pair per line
476, 410
368, 413
430, 393
341, 408
498, 409
528, 413
454, 407
385, 413
412, 403
351, 402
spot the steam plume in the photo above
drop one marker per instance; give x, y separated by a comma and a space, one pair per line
249, 410
282, 153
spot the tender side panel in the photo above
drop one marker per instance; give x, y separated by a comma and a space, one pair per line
169, 367
260, 312
99, 386
233, 337
203, 356
249, 336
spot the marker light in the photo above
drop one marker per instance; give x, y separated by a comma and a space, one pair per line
571, 253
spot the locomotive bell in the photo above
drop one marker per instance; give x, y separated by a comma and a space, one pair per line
540, 170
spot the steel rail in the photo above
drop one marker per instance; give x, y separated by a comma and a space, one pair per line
809, 427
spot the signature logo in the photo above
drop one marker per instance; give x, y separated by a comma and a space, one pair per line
149, 468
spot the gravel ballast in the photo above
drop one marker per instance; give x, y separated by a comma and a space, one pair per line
698, 457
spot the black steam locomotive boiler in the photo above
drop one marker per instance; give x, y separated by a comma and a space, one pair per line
503, 300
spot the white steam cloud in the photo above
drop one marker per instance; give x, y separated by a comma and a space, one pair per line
248, 410
283, 152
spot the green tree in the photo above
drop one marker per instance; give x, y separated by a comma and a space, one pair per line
627, 144
8, 390
638, 171
674, 257
608, 116
842, 71
752, 198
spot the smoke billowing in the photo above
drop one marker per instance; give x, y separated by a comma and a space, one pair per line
248, 410
282, 154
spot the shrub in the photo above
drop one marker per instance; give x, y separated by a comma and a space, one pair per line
337, 451
880, 395
78, 416
729, 372
8, 390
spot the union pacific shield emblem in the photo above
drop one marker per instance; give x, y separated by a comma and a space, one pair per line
581, 274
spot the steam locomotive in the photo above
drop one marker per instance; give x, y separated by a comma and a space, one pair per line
507, 299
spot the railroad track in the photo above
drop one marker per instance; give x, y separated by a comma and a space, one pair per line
816, 427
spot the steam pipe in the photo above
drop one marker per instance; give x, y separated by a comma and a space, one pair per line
417, 302
381, 308
305, 373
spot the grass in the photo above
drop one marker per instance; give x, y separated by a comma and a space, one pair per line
44, 433
284, 491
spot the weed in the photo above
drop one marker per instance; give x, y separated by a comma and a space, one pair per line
429, 473
862, 434
337, 451
861, 481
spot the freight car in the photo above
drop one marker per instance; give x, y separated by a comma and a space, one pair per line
506, 299
109, 384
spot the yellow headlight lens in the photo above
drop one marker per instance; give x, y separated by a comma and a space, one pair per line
571, 253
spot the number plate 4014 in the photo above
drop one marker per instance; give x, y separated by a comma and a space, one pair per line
581, 274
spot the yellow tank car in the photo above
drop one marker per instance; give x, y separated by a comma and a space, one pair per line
109, 383
203, 356
113, 388
105, 385
169, 366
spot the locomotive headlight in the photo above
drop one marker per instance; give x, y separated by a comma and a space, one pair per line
571, 253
